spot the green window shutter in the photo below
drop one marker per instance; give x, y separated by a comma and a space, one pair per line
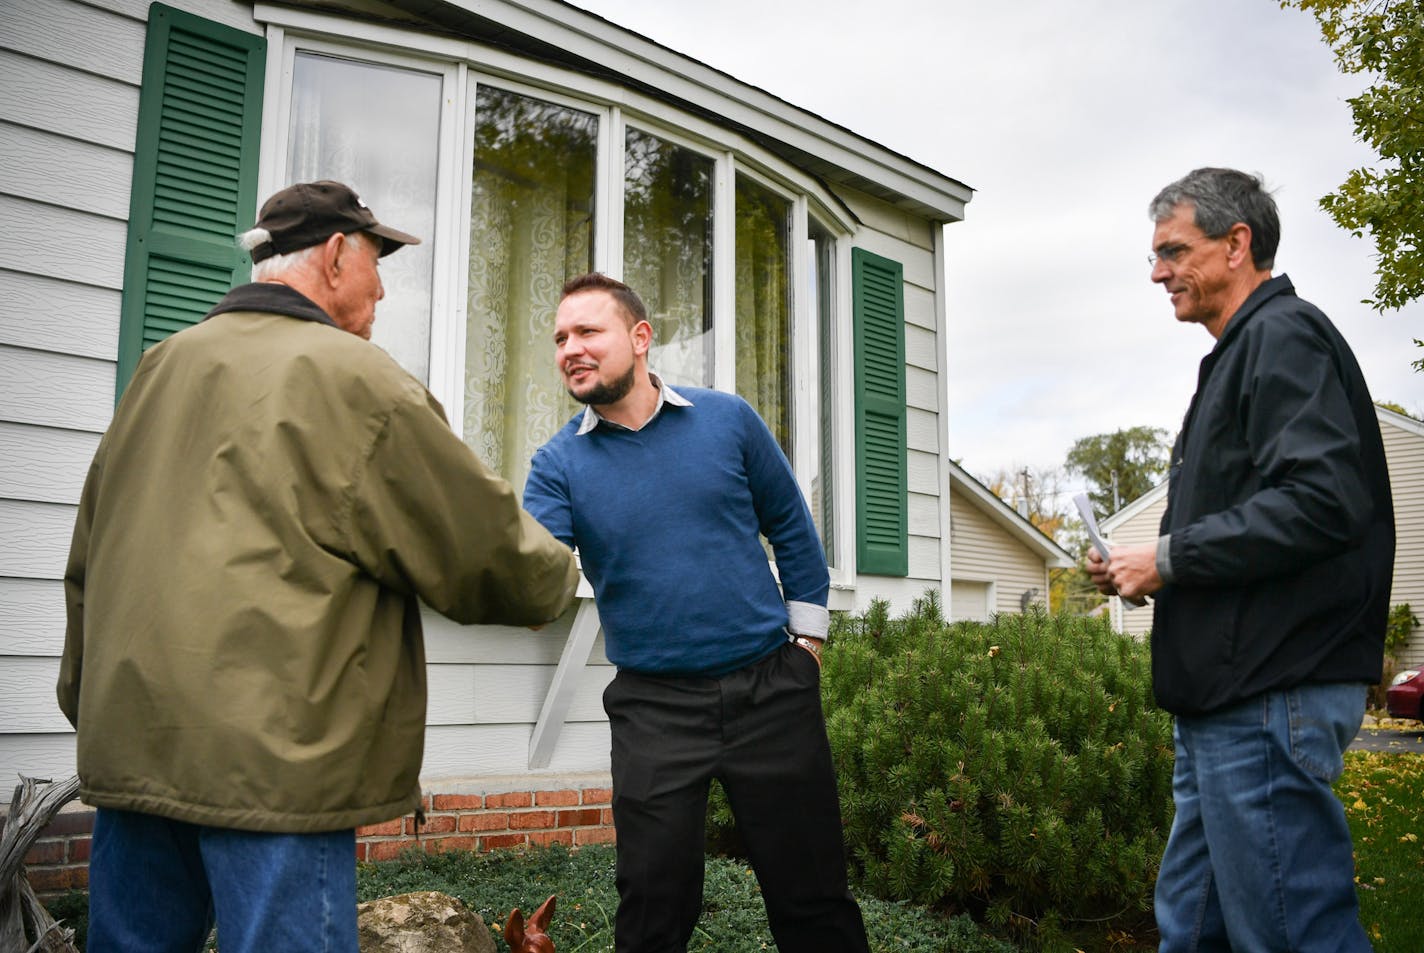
882, 495
195, 176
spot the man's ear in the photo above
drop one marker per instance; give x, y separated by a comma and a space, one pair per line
1238, 246
331, 252
642, 337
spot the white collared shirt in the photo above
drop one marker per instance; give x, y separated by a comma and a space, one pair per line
666, 395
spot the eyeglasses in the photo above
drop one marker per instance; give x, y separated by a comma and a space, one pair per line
1171, 254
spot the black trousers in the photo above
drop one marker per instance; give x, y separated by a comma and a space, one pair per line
760, 731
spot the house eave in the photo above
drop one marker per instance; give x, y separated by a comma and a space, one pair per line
1055, 556
558, 32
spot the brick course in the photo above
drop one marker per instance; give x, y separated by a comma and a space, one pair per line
59, 858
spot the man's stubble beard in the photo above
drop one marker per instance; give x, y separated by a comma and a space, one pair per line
602, 394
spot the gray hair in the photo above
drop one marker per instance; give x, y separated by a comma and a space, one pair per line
1220, 198
281, 264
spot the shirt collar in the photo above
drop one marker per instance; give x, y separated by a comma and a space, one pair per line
666, 395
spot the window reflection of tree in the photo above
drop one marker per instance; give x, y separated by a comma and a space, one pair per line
667, 251
764, 305
531, 228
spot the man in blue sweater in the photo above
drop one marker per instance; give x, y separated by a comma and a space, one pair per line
666, 494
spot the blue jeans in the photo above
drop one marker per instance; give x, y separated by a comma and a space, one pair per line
1259, 858
156, 885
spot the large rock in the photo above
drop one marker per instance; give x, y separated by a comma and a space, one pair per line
427, 922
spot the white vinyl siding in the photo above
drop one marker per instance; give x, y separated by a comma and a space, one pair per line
71, 74
1140, 527
910, 241
985, 552
1404, 449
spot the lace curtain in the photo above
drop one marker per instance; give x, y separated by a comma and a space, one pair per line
377, 128
531, 229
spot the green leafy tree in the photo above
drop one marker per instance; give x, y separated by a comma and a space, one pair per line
1383, 39
1120, 466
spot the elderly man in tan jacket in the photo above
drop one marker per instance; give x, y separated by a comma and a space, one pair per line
244, 660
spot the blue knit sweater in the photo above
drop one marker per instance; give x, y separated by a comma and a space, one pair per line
666, 520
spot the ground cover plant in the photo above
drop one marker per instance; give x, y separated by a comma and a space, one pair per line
733, 918
1382, 792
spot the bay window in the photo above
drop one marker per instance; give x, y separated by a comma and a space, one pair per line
720, 240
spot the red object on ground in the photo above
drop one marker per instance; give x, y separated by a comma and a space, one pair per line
531, 938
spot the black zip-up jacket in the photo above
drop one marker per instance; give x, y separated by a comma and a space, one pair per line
1279, 514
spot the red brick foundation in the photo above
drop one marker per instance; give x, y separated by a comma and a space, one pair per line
496, 818
495, 821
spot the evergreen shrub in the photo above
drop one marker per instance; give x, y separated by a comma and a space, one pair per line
1016, 770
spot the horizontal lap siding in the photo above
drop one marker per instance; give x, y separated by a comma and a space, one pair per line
909, 240
31, 617
456, 751
71, 74
985, 552
1404, 450
29, 304
36, 755
1141, 527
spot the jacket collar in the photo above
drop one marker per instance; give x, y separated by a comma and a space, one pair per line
1268, 289
270, 298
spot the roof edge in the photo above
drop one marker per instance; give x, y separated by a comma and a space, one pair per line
1003, 514
644, 61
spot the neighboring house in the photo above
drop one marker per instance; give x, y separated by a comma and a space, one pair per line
1139, 521
1001, 560
782, 257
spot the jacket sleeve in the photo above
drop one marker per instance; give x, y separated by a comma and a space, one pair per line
429, 518
71, 664
1310, 500
785, 520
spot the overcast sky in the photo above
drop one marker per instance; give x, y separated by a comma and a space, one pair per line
1066, 118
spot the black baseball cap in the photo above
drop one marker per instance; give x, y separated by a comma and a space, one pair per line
309, 213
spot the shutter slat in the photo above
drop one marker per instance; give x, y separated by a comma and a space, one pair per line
195, 176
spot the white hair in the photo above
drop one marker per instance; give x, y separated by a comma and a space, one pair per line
281, 264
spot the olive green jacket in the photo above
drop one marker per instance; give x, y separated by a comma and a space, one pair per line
271, 502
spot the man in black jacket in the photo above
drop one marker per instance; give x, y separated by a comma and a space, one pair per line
1271, 577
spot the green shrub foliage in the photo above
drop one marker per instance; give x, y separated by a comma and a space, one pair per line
1016, 770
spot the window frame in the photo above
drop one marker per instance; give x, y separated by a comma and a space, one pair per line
276, 146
